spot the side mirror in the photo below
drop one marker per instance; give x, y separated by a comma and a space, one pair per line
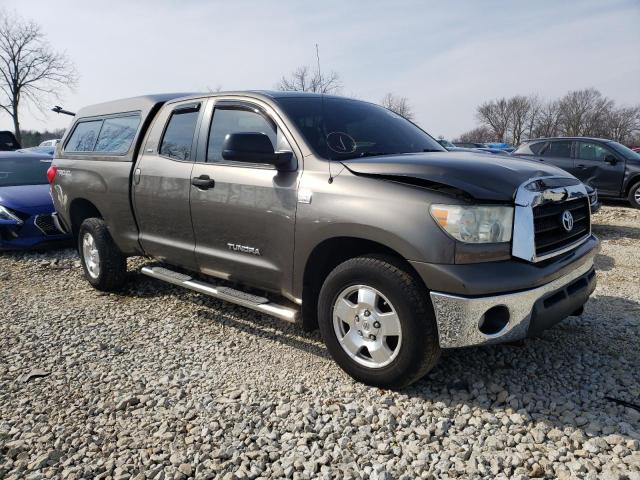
610, 159
252, 147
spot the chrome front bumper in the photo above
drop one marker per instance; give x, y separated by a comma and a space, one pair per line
459, 318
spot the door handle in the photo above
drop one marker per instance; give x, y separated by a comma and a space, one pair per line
203, 182
581, 166
136, 176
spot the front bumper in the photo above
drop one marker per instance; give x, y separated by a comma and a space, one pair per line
465, 321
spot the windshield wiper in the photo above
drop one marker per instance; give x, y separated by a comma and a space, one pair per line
431, 150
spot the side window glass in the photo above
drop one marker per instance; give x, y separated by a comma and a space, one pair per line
178, 136
558, 149
533, 148
591, 151
117, 134
233, 120
84, 136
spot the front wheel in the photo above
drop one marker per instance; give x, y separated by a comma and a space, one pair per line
377, 322
104, 265
634, 195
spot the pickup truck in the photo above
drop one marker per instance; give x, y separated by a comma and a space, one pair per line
331, 212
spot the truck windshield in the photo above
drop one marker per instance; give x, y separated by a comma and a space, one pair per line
340, 128
24, 170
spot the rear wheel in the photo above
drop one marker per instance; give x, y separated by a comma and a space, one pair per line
634, 195
104, 265
377, 322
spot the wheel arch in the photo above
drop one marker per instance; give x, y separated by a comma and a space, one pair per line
327, 255
633, 180
79, 210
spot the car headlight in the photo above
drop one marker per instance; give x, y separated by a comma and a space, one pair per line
475, 224
8, 216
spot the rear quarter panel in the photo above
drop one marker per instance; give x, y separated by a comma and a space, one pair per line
106, 184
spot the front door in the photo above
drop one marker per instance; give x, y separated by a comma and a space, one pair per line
244, 220
162, 185
600, 167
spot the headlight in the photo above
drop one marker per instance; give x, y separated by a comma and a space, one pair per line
471, 224
8, 216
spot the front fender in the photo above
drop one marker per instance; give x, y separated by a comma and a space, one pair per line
388, 213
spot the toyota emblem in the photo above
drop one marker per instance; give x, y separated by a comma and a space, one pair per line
567, 220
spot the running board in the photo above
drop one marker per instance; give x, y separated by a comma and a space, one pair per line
228, 294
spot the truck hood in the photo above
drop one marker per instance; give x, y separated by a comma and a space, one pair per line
482, 176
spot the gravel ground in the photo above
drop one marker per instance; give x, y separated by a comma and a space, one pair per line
159, 382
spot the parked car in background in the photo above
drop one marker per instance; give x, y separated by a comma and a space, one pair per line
455, 147
608, 166
50, 150
493, 150
8, 141
636, 149
49, 143
446, 144
26, 207
469, 145
507, 147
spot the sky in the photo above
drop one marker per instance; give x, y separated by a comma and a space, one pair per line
445, 57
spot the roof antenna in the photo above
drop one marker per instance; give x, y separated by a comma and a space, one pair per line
321, 87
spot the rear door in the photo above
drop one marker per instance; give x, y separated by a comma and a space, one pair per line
244, 220
600, 167
162, 185
558, 153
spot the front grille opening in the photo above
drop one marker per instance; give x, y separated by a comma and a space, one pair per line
46, 225
494, 320
550, 233
555, 298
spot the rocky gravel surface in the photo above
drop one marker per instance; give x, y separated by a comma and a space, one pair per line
162, 383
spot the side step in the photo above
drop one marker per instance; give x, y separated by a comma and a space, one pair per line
232, 295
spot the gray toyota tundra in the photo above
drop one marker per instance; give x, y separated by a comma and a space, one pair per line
331, 212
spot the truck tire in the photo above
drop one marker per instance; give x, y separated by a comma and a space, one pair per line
105, 267
377, 322
634, 195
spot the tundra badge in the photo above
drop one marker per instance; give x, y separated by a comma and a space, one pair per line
244, 249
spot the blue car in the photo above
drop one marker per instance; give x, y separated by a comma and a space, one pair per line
26, 208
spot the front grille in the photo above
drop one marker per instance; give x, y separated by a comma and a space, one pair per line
550, 234
46, 225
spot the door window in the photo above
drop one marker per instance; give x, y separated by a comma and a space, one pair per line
178, 136
592, 151
241, 120
558, 149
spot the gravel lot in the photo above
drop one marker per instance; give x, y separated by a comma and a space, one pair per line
160, 383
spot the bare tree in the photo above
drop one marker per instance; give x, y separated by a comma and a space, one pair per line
583, 112
547, 123
623, 124
578, 113
397, 104
29, 69
305, 80
496, 115
477, 135
519, 111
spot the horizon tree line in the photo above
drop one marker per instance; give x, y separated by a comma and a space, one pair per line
579, 113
